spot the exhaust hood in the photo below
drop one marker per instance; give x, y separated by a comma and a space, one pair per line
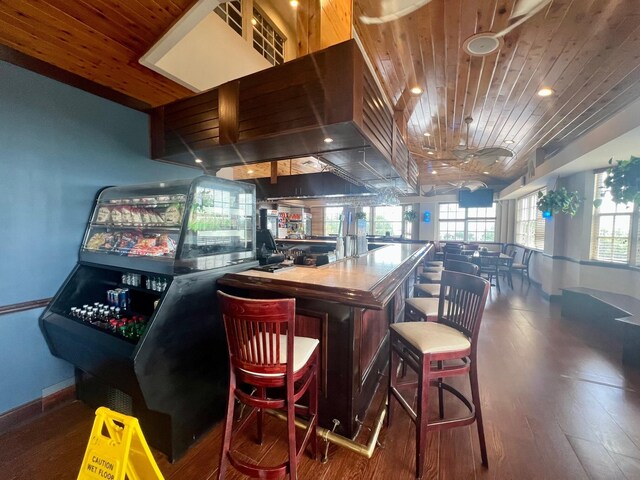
326, 104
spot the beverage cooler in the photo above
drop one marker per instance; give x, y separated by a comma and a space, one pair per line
137, 316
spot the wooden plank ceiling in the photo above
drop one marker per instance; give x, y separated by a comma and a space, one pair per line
99, 40
587, 51
296, 166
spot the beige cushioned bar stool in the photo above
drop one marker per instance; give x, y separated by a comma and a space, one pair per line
431, 290
430, 277
436, 351
419, 309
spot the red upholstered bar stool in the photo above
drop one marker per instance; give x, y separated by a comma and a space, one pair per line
438, 350
260, 337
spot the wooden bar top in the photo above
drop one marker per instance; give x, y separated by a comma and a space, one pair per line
368, 281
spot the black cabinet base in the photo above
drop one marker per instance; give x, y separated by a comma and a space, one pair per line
174, 379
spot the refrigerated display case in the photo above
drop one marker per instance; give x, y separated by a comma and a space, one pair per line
137, 315
272, 222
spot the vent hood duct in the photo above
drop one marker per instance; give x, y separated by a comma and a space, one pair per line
288, 111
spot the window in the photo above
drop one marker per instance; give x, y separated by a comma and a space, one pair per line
267, 40
332, 220
466, 224
529, 222
231, 13
387, 219
612, 225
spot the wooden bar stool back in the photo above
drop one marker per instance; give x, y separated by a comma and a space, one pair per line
260, 335
438, 350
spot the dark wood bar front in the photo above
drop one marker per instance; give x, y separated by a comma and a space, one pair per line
348, 306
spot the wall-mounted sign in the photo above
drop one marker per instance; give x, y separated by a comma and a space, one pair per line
427, 216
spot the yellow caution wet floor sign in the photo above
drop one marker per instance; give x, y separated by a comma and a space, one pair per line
117, 450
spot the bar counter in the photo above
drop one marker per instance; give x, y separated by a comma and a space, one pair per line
367, 281
348, 306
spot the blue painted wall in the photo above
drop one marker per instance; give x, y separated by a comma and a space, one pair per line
58, 146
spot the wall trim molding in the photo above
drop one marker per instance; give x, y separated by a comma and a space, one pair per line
21, 307
594, 263
32, 410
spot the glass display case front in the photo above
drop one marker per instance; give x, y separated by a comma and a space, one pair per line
181, 225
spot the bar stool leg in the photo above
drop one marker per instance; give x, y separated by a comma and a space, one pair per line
422, 414
262, 393
291, 427
475, 395
440, 393
228, 427
393, 378
313, 408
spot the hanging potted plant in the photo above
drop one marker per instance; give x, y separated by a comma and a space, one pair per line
558, 201
410, 215
623, 180
361, 215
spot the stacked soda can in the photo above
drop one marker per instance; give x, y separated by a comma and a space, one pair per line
118, 297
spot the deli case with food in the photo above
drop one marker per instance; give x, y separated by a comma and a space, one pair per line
137, 316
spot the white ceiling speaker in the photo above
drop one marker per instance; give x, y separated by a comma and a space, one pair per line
486, 43
482, 44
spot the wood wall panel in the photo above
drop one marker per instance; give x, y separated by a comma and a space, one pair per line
288, 111
335, 21
377, 120
191, 121
373, 329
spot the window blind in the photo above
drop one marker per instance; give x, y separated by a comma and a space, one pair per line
530, 226
611, 226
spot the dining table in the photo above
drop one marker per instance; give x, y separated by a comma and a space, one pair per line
504, 261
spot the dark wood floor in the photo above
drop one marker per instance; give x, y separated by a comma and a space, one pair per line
557, 402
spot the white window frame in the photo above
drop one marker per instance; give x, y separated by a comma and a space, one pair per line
261, 43
325, 221
628, 211
223, 12
372, 216
530, 226
466, 220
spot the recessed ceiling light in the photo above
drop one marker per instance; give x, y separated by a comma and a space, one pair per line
198, 160
328, 140
249, 171
545, 92
294, 3
254, 21
486, 173
416, 91
433, 172
509, 141
431, 152
426, 134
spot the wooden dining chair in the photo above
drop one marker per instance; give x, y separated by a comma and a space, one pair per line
489, 263
265, 353
437, 351
506, 266
523, 267
458, 257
